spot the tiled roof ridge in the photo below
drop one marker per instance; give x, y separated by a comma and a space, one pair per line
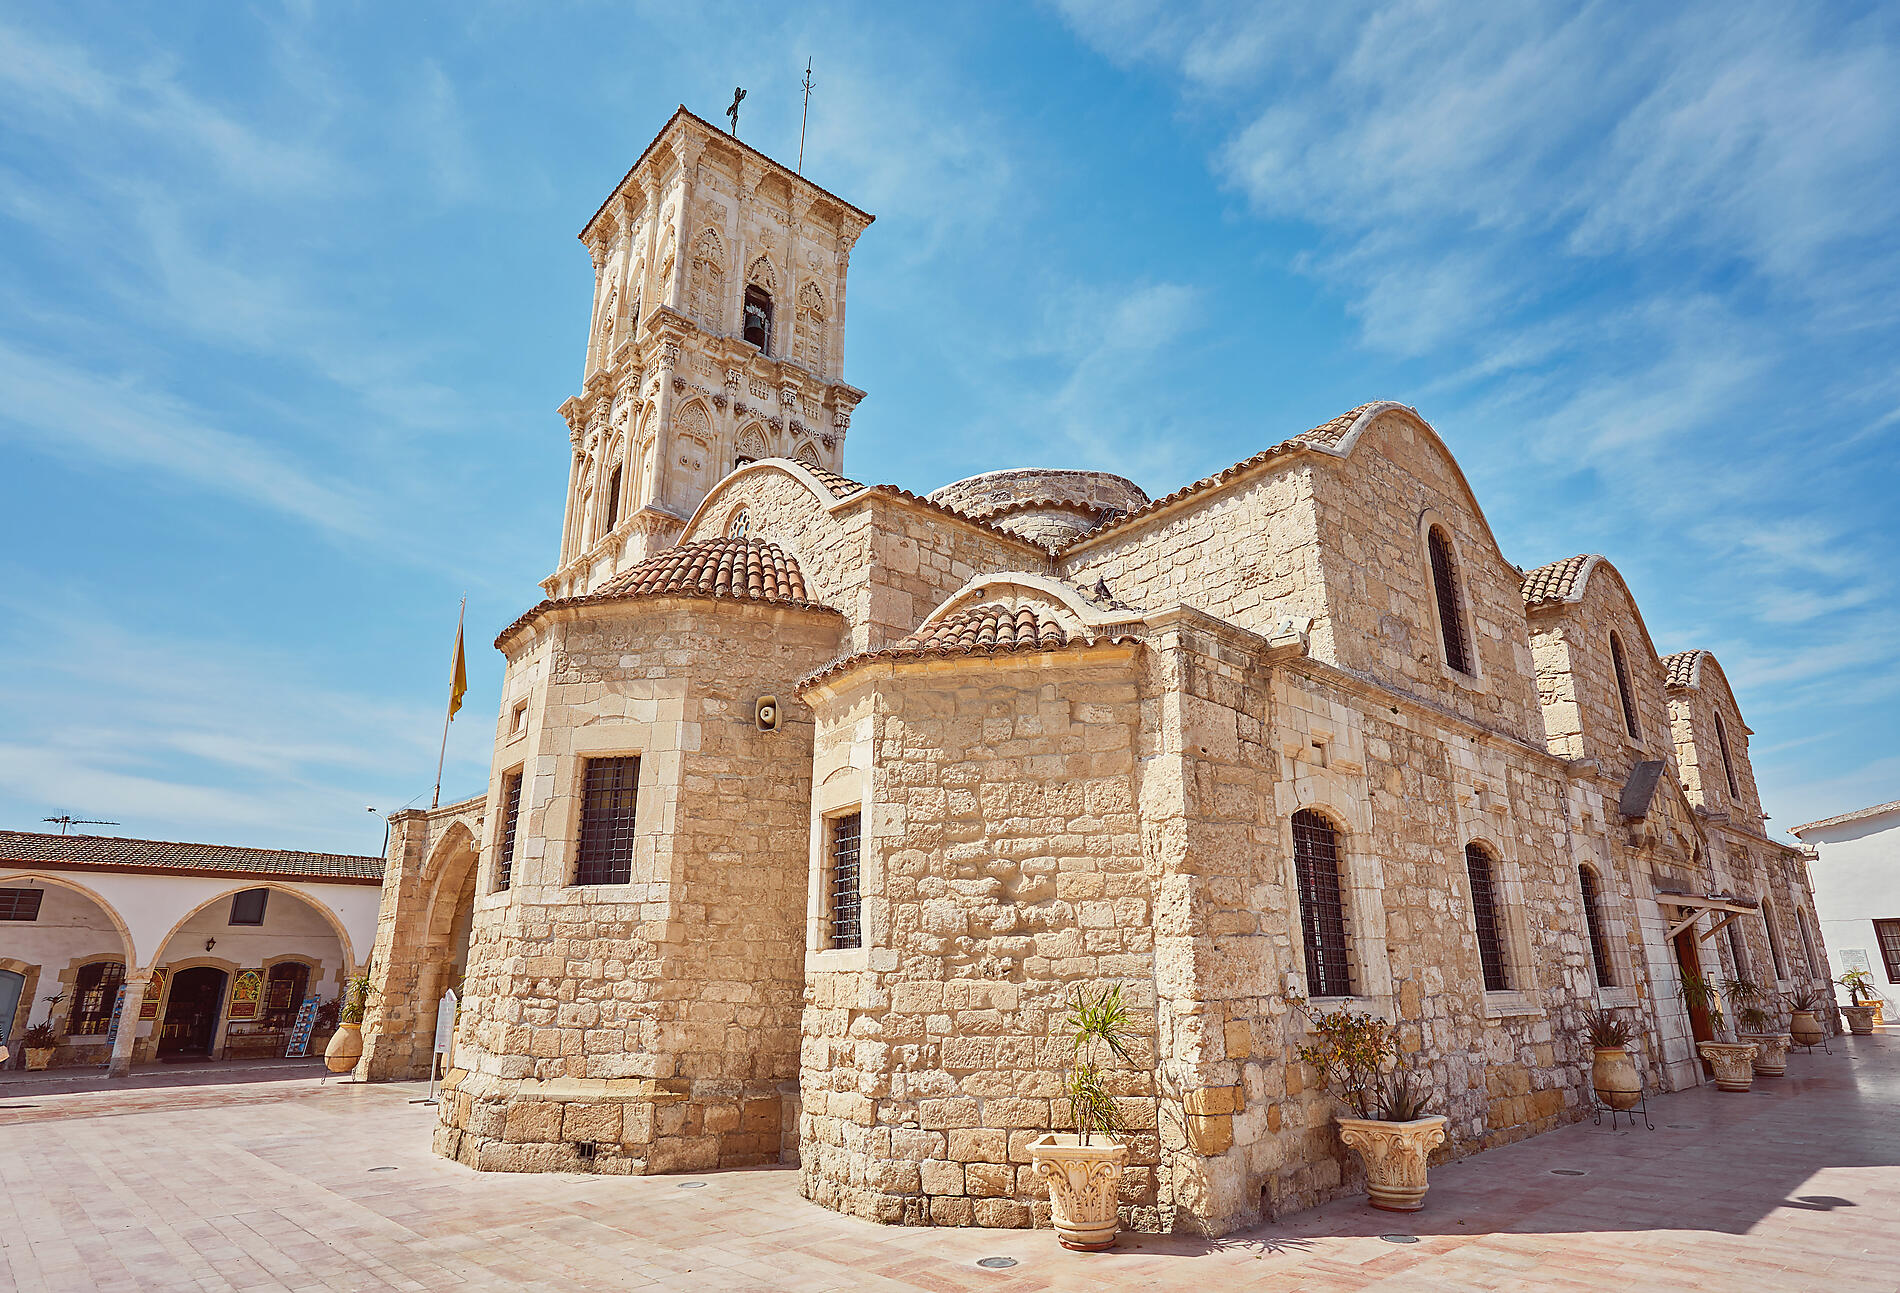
71, 848
1682, 668
1327, 435
1557, 581
988, 630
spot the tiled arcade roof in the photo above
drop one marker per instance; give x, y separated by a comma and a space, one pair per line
986, 627
115, 853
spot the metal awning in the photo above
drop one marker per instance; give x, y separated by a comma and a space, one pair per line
1695, 904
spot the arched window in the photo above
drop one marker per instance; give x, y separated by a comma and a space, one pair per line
1737, 949
1484, 906
1593, 919
740, 526
1322, 908
1774, 940
95, 993
1807, 943
613, 501
1728, 764
758, 317
1623, 690
1451, 616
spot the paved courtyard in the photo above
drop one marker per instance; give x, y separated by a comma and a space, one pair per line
296, 1184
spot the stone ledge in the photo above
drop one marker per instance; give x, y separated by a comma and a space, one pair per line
567, 1090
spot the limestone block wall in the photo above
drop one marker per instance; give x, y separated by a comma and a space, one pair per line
1692, 712
1002, 866
648, 1026
1373, 509
1576, 678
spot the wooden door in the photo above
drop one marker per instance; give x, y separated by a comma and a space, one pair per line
191, 1016
1701, 1027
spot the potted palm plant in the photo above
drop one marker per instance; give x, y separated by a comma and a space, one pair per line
1731, 1063
346, 1046
41, 1041
1759, 1014
1391, 1128
1613, 1073
1863, 1003
1084, 1167
1804, 1017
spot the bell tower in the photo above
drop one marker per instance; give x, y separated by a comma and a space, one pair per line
716, 338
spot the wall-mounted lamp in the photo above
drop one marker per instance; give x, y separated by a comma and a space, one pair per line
210, 943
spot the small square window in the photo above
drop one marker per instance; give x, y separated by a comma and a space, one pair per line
518, 721
20, 904
247, 908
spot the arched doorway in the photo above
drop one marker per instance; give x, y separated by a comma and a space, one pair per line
422, 947
193, 1012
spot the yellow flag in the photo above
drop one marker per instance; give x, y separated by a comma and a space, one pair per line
458, 688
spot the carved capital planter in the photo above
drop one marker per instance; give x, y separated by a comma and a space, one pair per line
1771, 1054
1860, 1019
1805, 1028
345, 1048
1084, 1187
1733, 1062
1613, 1074
1395, 1154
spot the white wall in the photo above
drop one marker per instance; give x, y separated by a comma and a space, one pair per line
291, 928
1857, 881
70, 927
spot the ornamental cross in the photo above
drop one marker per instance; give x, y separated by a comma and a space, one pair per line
733, 111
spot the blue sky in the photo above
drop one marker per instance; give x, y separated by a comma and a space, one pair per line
289, 297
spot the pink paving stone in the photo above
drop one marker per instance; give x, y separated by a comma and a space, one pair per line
264, 1185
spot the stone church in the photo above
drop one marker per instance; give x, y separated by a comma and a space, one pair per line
813, 801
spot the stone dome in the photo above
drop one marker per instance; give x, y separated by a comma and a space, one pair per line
1045, 505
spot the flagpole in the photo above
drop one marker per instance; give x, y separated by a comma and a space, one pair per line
448, 712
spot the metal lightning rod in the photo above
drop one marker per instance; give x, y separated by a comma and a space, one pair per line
806, 116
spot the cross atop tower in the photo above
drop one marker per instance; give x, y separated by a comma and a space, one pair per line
738, 97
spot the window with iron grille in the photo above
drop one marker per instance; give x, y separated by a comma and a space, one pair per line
1737, 948
846, 902
247, 908
1484, 905
1322, 910
1593, 918
510, 818
605, 855
1774, 940
1728, 764
1815, 965
20, 904
95, 992
1451, 617
1887, 934
1623, 689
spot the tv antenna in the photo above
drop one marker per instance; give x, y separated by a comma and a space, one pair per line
806, 116
738, 96
66, 823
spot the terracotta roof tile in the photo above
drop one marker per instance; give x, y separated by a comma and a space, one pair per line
986, 627
1682, 668
727, 569
116, 853
840, 486
1557, 582
751, 570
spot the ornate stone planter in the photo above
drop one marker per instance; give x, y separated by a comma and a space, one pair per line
1395, 1154
38, 1057
1771, 1055
1613, 1074
1805, 1028
1733, 1062
345, 1048
1084, 1187
1860, 1019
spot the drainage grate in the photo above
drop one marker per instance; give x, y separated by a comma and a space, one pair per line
1400, 1239
382, 1169
692, 1185
586, 1151
1568, 1171
996, 1263
18, 1106
1682, 1126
